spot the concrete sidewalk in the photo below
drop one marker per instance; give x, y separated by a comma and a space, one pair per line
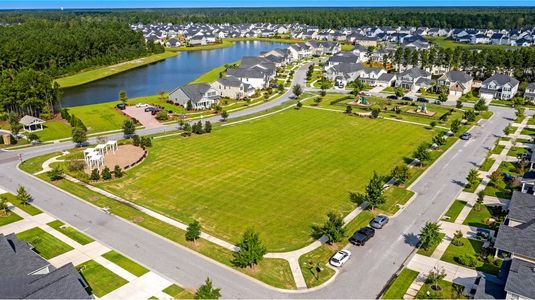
454, 273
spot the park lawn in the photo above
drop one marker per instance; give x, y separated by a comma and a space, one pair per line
430, 250
28, 208
471, 247
515, 151
400, 286
54, 130
70, 232
178, 292
35, 164
487, 164
44, 243
99, 117
272, 271
448, 290
101, 280
212, 75
266, 173
320, 256
125, 263
443, 42
102, 72
394, 196
11, 217
498, 149
454, 210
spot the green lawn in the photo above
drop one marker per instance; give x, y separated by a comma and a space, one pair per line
528, 131
394, 196
99, 117
44, 243
347, 47
54, 130
400, 286
479, 216
443, 42
212, 75
102, 72
177, 292
515, 151
500, 191
35, 164
487, 164
470, 247
430, 250
28, 208
125, 263
9, 218
498, 149
448, 290
70, 232
101, 280
268, 172
531, 121
454, 210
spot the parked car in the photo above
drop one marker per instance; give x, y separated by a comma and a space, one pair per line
438, 102
379, 222
340, 258
364, 93
155, 111
466, 136
407, 98
392, 97
422, 99
150, 109
142, 105
360, 237
121, 106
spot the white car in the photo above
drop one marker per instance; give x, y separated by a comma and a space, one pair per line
340, 258
142, 105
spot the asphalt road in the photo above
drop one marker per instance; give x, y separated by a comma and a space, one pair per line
362, 277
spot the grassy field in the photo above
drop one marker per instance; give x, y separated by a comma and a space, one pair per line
470, 247
267, 173
102, 72
177, 292
400, 286
125, 263
212, 75
442, 42
28, 208
44, 243
454, 210
99, 117
101, 280
54, 130
70, 232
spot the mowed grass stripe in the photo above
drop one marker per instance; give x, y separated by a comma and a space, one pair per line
279, 175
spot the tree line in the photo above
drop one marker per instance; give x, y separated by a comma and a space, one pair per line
474, 17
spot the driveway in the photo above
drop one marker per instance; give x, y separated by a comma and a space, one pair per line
145, 118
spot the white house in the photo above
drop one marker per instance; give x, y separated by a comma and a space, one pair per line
232, 87
201, 96
499, 86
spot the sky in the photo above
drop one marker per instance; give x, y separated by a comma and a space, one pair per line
71, 4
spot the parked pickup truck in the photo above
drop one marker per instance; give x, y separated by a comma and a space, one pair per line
360, 237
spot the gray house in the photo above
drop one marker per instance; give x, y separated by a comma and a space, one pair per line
457, 82
413, 79
201, 96
499, 86
529, 94
26, 275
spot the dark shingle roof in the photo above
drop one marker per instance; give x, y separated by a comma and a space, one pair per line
522, 207
521, 279
501, 79
519, 240
195, 92
459, 76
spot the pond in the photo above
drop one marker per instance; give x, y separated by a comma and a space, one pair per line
165, 75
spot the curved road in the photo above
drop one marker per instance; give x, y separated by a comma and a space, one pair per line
362, 277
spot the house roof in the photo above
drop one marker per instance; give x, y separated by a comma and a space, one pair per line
519, 239
522, 207
386, 77
521, 278
415, 73
230, 81
501, 79
30, 120
489, 287
458, 76
195, 92
19, 278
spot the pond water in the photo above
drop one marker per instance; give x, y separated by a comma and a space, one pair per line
165, 75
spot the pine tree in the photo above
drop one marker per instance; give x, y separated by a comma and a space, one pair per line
23, 196
251, 250
207, 291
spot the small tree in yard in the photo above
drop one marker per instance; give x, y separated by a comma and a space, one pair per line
106, 174
439, 139
349, 109
459, 104
251, 250
79, 135
375, 111
508, 130
470, 115
399, 92
520, 112
375, 191
207, 291
481, 106
122, 96
22, 195
496, 177
434, 277
457, 238
118, 171
207, 127
189, 105
193, 232
422, 154
3, 205
146, 142
187, 129
129, 128
400, 173
298, 105
297, 90
430, 235
455, 125
333, 229
442, 97
472, 178
136, 140
95, 176
224, 115
55, 174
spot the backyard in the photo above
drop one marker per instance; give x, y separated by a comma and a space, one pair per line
291, 168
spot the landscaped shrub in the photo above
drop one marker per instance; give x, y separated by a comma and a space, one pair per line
95, 176
106, 174
118, 172
467, 260
136, 141
146, 142
75, 165
55, 174
162, 116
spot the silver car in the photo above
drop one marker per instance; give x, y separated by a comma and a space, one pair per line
379, 222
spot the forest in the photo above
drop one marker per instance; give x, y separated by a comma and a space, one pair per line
451, 17
36, 51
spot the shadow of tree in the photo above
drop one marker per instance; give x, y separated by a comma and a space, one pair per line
411, 239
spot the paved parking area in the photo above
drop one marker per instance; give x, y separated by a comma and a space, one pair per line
145, 118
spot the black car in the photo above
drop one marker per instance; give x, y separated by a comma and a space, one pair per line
121, 106
392, 97
360, 237
407, 98
151, 109
421, 99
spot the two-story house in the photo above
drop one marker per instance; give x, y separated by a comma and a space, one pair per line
457, 82
200, 96
413, 79
529, 94
499, 86
232, 87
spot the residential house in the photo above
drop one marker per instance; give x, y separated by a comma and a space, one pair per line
254, 77
198, 41
413, 79
232, 87
529, 94
201, 96
371, 75
386, 79
365, 41
343, 73
342, 58
499, 86
457, 82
